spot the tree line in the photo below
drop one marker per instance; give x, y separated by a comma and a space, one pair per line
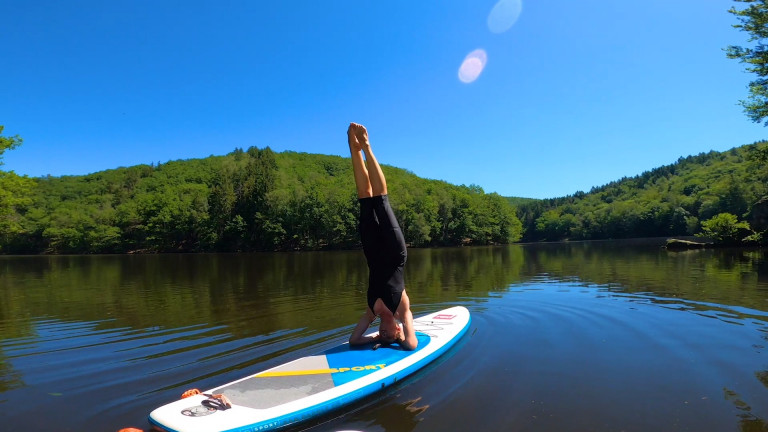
718, 194
248, 200
259, 200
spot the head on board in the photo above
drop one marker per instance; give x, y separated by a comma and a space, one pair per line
389, 330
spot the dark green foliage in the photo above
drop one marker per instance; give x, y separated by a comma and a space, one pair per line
754, 20
254, 200
8, 143
15, 193
725, 228
671, 200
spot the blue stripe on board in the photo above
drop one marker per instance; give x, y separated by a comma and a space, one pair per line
349, 359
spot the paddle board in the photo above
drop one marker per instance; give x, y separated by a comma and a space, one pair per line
313, 385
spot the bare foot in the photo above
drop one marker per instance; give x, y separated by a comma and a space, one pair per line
362, 136
352, 137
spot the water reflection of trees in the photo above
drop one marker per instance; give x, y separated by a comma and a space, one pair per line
447, 275
748, 422
397, 417
385, 415
231, 296
262, 292
730, 277
245, 292
9, 377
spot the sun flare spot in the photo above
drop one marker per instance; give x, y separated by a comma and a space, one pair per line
504, 15
473, 65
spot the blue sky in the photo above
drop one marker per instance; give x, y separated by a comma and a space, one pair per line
573, 94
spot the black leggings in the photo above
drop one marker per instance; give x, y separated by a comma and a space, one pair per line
384, 248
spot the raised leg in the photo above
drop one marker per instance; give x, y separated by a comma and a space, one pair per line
375, 175
362, 182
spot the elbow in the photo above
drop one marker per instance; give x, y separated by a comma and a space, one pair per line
410, 346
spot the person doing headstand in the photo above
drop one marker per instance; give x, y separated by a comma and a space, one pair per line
384, 249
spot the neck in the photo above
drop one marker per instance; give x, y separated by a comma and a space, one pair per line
387, 317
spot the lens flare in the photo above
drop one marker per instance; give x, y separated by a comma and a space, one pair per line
504, 15
472, 66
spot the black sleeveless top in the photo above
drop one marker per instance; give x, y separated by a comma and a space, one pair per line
385, 251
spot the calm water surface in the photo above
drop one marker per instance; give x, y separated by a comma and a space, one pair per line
570, 337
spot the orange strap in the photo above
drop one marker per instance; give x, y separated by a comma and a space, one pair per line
189, 393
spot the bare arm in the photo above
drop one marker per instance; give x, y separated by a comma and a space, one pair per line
409, 341
358, 334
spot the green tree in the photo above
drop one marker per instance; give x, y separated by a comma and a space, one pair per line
553, 225
175, 216
8, 143
15, 193
15, 197
725, 228
258, 180
244, 201
757, 158
754, 20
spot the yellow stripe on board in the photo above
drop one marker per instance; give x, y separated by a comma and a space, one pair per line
318, 371
294, 373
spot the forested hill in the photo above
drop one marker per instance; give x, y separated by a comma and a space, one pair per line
259, 200
673, 200
254, 200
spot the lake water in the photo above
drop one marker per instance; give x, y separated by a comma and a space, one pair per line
602, 336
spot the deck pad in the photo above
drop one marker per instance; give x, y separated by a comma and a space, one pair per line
314, 374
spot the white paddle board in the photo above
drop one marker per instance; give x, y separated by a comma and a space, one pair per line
313, 385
